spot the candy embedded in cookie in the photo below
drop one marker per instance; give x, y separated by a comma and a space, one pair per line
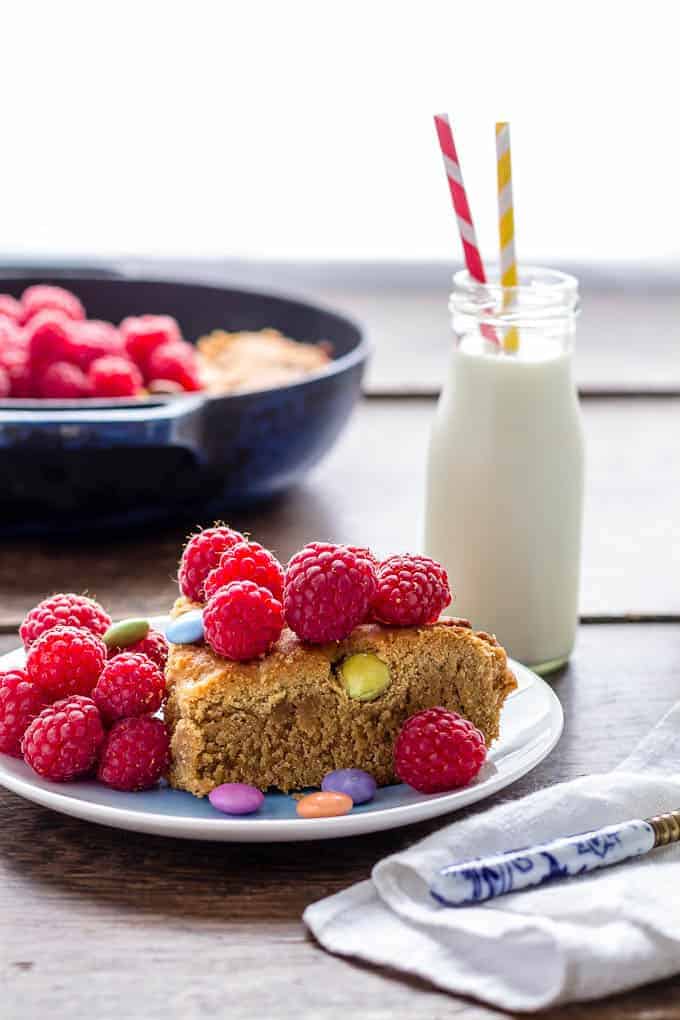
186, 629
364, 676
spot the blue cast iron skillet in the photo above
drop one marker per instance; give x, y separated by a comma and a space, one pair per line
73, 464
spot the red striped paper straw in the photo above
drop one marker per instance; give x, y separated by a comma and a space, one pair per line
461, 207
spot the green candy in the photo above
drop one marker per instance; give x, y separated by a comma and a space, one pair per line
365, 676
127, 632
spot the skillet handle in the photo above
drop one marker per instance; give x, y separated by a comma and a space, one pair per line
176, 422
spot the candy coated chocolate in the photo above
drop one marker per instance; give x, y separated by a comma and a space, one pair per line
356, 783
126, 632
187, 629
236, 798
324, 805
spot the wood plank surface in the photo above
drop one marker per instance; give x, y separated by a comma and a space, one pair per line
370, 490
626, 340
105, 925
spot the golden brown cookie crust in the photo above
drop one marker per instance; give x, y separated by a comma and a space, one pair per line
285, 720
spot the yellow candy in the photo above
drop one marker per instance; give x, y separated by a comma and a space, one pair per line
324, 805
365, 676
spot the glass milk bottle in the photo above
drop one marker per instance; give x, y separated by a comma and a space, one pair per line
504, 500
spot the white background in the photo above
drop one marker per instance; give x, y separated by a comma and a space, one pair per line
303, 129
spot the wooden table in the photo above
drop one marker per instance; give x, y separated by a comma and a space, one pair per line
103, 924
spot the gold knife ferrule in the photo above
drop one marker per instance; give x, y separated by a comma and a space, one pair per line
666, 828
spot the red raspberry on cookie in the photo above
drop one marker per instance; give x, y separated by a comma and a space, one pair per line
328, 591
411, 591
242, 621
201, 555
247, 561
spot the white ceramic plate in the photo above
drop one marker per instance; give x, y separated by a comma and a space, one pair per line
531, 725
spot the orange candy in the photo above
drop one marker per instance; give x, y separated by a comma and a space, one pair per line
324, 805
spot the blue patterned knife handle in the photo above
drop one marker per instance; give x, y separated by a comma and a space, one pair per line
459, 885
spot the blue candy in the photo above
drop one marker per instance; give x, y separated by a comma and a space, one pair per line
186, 629
359, 785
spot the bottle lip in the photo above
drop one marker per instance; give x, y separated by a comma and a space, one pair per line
542, 295
543, 285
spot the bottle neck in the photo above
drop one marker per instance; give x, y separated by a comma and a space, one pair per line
535, 320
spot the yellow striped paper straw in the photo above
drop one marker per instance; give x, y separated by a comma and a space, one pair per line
506, 223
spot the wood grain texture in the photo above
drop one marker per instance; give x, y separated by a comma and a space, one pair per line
403, 308
616, 350
97, 924
370, 490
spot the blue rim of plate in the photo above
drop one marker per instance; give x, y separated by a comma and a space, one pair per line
531, 725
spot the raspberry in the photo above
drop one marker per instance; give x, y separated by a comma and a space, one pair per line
365, 553
63, 742
327, 592
164, 386
66, 660
247, 561
114, 376
11, 308
13, 359
92, 339
142, 334
63, 381
56, 299
242, 620
201, 555
175, 362
48, 340
129, 685
16, 364
438, 751
65, 610
154, 646
20, 702
11, 335
5, 384
412, 590
135, 754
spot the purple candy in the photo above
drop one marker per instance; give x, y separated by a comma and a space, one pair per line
359, 785
236, 798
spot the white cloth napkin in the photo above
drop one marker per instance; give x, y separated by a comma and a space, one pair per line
573, 940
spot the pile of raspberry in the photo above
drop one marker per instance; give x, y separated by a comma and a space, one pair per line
49, 349
322, 595
83, 706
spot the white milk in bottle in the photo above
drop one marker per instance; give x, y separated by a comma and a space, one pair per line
505, 468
